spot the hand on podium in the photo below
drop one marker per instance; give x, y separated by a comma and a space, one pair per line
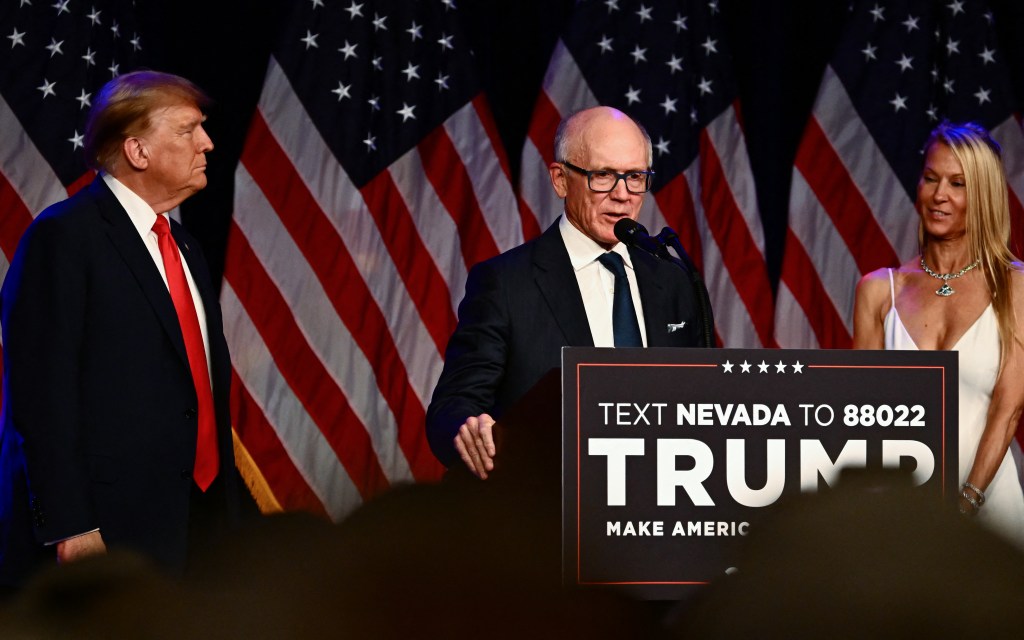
475, 443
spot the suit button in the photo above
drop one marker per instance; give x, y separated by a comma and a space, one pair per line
186, 474
190, 413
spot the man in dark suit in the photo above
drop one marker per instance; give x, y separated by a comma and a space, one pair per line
521, 307
116, 429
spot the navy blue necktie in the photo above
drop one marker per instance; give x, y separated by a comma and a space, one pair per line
625, 328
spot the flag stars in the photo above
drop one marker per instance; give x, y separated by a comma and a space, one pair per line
371, 143
639, 54
94, 17
661, 146
957, 7
644, 12
378, 23
377, 63
16, 38
669, 105
62, 7
84, 99
982, 96
675, 64
680, 23
905, 63
411, 72
89, 57
911, 23
415, 31
933, 113
632, 95
448, 4
606, 44
952, 46
446, 42
442, 82
987, 55
136, 42
114, 69
406, 112
613, 5
713, 7
869, 52
705, 86
898, 103
355, 10
47, 88
115, 31
343, 91
55, 47
310, 40
948, 85
709, 46
349, 50
878, 14
374, 102
76, 140
318, 3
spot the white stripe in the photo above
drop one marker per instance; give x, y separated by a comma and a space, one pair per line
792, 327
867, 166
730, 146
316, 317
535, 187
1011, 139
492, 188
25, 168
299, 435
342, 203
436, 228
564, 83
833, 262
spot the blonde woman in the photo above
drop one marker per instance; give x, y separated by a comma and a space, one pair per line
964, 292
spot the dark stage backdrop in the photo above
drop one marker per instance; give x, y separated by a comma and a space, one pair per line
346, 257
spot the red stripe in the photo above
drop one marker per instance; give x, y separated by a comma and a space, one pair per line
741, 256
543, 127
15, 218
531, 228
675, 200
300, 367
447, 174
842, 200
800, 275
1016, 225
483, 112
82, 181
290, 489
330, 260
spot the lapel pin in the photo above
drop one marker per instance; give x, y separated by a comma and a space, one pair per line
672, 328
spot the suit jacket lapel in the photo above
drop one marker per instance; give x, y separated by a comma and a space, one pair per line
652, 298
125, 238
556, 280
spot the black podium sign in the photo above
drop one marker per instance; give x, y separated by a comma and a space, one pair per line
670, 455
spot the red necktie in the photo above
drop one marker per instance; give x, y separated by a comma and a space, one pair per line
207, 461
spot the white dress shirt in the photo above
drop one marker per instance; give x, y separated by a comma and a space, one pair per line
597, 283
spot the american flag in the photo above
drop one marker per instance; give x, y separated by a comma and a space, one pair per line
371, 179
56, 55
899, 68
666, 63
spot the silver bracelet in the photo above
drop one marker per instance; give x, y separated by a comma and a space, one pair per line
981, 494
974, 503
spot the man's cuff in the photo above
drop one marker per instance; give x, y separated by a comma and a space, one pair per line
84, 533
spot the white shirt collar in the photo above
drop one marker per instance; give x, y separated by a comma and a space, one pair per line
583, 250
141, 214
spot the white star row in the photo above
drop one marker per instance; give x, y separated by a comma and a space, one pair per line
764, 367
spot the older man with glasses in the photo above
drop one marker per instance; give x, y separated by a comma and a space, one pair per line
575, 285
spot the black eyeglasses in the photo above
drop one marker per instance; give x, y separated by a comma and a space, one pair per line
603, 181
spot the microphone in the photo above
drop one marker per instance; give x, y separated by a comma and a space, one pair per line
633, 234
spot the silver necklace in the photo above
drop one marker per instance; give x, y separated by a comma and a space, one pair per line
945, 290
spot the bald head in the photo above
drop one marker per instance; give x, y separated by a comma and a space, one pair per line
581, 128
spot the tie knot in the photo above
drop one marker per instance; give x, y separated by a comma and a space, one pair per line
161, 227
614, 263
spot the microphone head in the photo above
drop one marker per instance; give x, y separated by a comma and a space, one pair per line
627, 230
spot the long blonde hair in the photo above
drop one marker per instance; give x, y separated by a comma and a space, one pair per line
988, 215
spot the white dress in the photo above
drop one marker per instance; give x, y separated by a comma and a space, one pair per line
978, 356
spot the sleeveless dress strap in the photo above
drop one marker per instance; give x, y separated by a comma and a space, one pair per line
892, 289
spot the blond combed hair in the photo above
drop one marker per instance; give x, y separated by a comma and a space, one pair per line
988, 216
